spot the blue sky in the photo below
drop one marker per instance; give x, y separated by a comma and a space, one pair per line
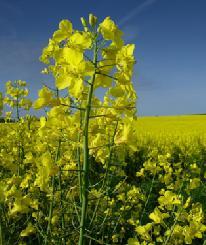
170, 38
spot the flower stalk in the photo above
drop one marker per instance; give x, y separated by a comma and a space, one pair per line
86, 158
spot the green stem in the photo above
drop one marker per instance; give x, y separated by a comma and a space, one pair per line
79, 174
17, 107
50, 214
148, 198
62, 207
85, 173
177, 216
1, 233
48, 232
110, 156
173, 227
79, 162
106, 174
20, 151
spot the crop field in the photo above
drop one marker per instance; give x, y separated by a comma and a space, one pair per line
174, 128
157, 193
180, 124
89, 170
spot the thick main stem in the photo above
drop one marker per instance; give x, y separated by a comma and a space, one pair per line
85, 174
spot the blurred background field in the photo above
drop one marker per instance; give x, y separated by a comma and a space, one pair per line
182, 127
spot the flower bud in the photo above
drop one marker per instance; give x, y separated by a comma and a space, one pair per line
92, 20
84, 23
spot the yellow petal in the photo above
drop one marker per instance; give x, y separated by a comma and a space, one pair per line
28, 231
76, 88
81, 39
72, 56
65, 31
116, 91
65, 25
133, 241
63, 81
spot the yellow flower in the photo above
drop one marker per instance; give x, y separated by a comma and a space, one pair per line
158, 216
133, 241
194, 183
124, 58
80, 40
110, 31
71, 56
28, 231
65, 31
115, 238
144, 231
25, 182
117, 91
45, 97
75, 70
169, 198
21, 205
46, 168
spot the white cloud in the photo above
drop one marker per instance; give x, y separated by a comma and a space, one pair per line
139, 9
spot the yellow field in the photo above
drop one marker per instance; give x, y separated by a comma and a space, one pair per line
165, 127
167, 124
